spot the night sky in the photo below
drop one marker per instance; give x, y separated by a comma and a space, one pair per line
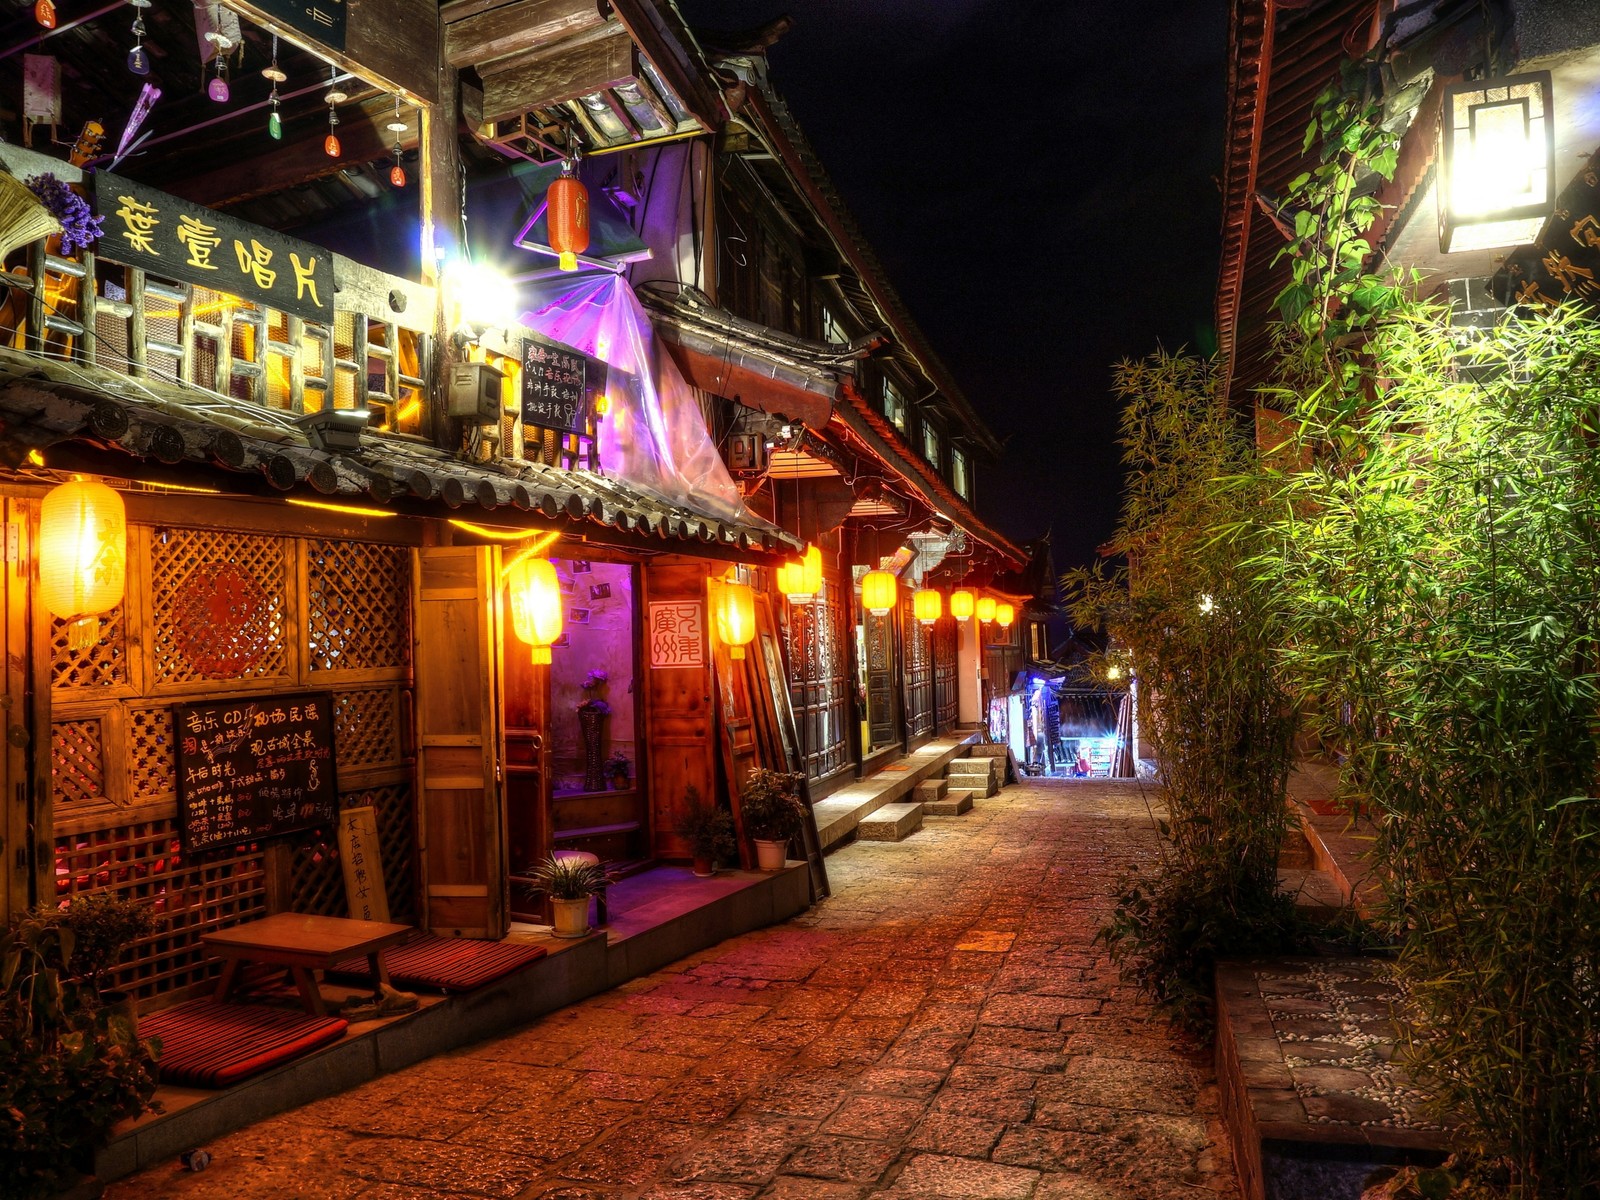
1038, 178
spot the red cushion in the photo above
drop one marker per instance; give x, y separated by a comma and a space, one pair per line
212, 1044
445, 964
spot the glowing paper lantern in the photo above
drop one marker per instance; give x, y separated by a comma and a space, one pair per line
961, 604
985, 608
736, 617
83, 556
927, 605
801, 579
535, 604
1004, 614
878, 591
567, 214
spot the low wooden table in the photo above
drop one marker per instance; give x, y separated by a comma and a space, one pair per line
301, 943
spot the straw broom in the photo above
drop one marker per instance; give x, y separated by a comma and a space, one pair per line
23, 218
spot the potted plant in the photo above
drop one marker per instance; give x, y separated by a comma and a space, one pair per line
773, 813
708, 829
618, 769
70, 1067
569, 882
103, 925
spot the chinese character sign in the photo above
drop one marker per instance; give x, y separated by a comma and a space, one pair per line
253, 769
677, 633
323, 20
175, 239
362, 860
555, 386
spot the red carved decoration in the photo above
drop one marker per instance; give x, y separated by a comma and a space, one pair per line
222, 621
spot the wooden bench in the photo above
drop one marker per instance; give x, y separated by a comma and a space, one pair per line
302, 943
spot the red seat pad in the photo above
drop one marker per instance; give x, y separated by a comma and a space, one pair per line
214, 1044
444, 964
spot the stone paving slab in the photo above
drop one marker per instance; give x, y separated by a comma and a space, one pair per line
944, 1027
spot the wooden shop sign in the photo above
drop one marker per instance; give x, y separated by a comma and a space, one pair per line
255, 768
557, 385
176, 239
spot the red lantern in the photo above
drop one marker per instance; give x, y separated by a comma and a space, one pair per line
567, 212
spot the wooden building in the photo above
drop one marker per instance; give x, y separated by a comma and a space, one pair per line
329, 458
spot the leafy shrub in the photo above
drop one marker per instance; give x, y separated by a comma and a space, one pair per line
568, 878
707, 828
771, 806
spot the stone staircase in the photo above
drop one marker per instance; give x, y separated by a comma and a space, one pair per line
976, 777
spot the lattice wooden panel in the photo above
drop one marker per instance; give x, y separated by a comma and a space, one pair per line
946, 697
152, 758
102, 665
145, 862
357, 605
316, 881
77, 761
817, 684
366, 728
220, 606
397, 836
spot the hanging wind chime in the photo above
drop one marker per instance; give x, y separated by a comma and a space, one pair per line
221, 43
276, 74
335, 97
138, 58
397, 173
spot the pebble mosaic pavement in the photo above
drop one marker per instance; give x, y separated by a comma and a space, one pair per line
943, 1027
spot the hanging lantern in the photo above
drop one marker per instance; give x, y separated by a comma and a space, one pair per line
961, 604
397, 173
335, 97
1004, 615
535, 604
927, 605
878, 589
83, 556
1497, 183
567, 214
736, 617
985, 608
801, 579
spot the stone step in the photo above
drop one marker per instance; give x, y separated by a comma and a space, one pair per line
953, 804
981, 786
970, 766
891, 823
931, 789
988, 750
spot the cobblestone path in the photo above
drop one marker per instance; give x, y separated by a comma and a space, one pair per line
943, 1026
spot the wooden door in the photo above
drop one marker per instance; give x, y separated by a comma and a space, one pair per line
527, 761
883, 717
917, 643
677, 691
459, 741
24, 796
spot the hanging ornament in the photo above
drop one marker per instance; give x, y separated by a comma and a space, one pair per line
567, 214
535, 594
1004, 614
83, 556
45, 13
275, 73
221, 43
736, 617
927, 605
335, 97
985, 608
397, 173
138, 57
961, 604
878, 592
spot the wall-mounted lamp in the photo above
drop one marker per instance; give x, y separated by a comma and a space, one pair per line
335, 428
485, 298
1497, 161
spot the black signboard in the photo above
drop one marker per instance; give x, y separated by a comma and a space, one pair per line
319, 19
255, 768
176, 239
555, 385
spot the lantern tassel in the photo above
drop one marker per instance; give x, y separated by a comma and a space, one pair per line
82, 634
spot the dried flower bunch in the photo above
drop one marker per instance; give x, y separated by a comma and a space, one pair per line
79, 226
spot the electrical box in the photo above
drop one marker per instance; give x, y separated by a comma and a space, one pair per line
475, 392
747, 453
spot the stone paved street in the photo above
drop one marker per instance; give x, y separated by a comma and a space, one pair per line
943, 1026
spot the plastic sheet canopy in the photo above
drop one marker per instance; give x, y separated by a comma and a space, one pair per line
654, 436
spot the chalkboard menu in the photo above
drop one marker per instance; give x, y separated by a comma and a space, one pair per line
555, 386
255, 768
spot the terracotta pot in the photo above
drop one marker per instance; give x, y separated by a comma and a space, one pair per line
571, 917
703, 867
770, 856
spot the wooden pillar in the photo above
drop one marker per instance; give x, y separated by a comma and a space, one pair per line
440, 176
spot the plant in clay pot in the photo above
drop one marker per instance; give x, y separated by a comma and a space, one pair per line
70, 1066
773, 813
103, 926
709, 831
569, 882
618, 769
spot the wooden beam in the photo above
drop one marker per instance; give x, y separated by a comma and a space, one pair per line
559, 74
442, 227
392, 43
665, 41
476, 39
362, 139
